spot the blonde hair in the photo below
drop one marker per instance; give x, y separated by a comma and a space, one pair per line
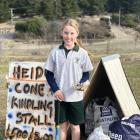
71, 22
75, 25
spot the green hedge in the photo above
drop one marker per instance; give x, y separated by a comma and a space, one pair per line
36, 26
21, 26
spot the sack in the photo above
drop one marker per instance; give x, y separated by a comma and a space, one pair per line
89, 120
98, 134
104, 115
126, 129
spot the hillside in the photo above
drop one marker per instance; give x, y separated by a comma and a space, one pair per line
123, 32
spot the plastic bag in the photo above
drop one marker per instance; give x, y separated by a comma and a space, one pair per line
104, 115
89, 118
126, 129
98, 134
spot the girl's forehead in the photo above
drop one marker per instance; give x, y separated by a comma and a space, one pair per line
69, 28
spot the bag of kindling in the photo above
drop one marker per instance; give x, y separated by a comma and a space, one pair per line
105, 114
89, 118
98, 134
126, 129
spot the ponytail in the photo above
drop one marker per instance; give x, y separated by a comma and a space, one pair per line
79, 43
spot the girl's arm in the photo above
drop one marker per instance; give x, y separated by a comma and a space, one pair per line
85, 77
51, 80
54, 87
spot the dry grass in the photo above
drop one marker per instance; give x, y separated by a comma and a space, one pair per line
30, 52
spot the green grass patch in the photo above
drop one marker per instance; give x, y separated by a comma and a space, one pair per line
132, 71
3, 68
2, 127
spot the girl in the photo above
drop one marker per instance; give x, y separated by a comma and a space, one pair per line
68, 64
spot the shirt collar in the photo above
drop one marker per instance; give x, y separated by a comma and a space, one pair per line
75, 48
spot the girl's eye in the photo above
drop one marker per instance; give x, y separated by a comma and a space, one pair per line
72, 33
66, 33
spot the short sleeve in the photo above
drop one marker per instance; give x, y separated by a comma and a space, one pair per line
87, 65
49, 65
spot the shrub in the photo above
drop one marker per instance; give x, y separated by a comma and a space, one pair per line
36, 26
21, 27
129, 21
125, 20
33, 26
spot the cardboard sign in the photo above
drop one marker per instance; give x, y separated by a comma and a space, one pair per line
30, 104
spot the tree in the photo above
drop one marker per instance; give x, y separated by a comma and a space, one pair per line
96, 6
84, 6
33, 7
113, 5
70, 8
135, 7
4, 11
48, 9
126, 6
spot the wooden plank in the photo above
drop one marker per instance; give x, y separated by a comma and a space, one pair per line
120, 85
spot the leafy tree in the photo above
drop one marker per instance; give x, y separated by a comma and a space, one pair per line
33, 7
136, 7
113, 5
126, 5
26, 7
84, 6
48, 9
69, 8
96, 6
54, 9
57, 8
4, 11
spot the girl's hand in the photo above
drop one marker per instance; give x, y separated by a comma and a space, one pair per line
59, 95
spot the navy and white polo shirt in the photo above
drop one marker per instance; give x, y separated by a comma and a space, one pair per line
69, 70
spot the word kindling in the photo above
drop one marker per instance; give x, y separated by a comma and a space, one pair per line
26, 103
27, 73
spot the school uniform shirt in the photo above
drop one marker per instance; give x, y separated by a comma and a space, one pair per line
68, 70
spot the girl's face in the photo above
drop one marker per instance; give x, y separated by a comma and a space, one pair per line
69, 35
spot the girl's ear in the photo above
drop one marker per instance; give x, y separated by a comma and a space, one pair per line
61, 34
77, 33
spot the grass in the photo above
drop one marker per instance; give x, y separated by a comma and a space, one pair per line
2, 126
133, 74
131, 67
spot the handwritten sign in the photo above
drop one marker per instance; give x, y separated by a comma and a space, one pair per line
30, 104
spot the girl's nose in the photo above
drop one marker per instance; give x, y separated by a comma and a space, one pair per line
69, 35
